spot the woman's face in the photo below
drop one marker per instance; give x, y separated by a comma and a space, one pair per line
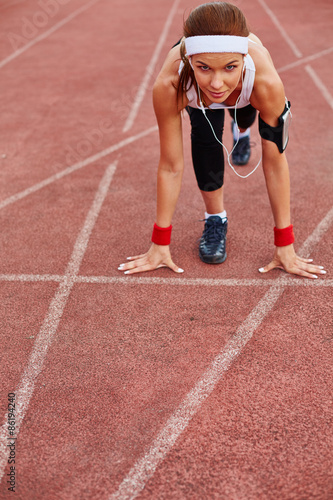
217, 75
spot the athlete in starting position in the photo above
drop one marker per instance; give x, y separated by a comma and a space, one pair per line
219, 64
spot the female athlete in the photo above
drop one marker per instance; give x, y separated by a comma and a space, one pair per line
218, 65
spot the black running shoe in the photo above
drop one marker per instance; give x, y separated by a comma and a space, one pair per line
242, 152
212, 247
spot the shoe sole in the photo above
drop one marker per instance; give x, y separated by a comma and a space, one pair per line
213, 260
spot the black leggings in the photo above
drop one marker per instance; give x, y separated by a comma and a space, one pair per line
207, 153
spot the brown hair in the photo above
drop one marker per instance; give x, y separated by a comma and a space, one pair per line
215, 18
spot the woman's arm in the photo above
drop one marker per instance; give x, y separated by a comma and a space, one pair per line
171, 163
169, 175
269, 100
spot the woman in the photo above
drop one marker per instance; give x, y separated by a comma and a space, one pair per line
219, 64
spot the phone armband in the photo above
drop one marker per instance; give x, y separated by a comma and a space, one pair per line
279, 134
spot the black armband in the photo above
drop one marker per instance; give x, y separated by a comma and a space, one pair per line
279, 134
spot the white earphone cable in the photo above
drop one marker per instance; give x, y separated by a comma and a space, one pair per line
235, 119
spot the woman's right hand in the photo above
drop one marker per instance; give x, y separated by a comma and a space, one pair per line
157, 256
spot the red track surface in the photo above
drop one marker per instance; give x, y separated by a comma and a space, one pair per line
213, 384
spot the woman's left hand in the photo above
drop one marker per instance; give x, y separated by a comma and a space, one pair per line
285, 258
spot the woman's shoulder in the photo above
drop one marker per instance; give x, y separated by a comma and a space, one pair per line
259, 53
254, 38
266, 73
268, 90
169, 71
166, 83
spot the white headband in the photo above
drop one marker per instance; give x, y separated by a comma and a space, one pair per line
216, 43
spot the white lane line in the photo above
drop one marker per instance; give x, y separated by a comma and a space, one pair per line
304, 60
322, 88
282, 31
149, 70
107, 280
76, 166
144, 468
115, 280
46, 33
135, 481
49, 327
31, 277
291, 281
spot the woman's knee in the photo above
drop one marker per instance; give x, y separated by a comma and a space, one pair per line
201, 132
245, 117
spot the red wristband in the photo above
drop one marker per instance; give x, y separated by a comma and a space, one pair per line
161, 235
284, 237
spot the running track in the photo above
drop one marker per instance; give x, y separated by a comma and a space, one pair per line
213, 384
